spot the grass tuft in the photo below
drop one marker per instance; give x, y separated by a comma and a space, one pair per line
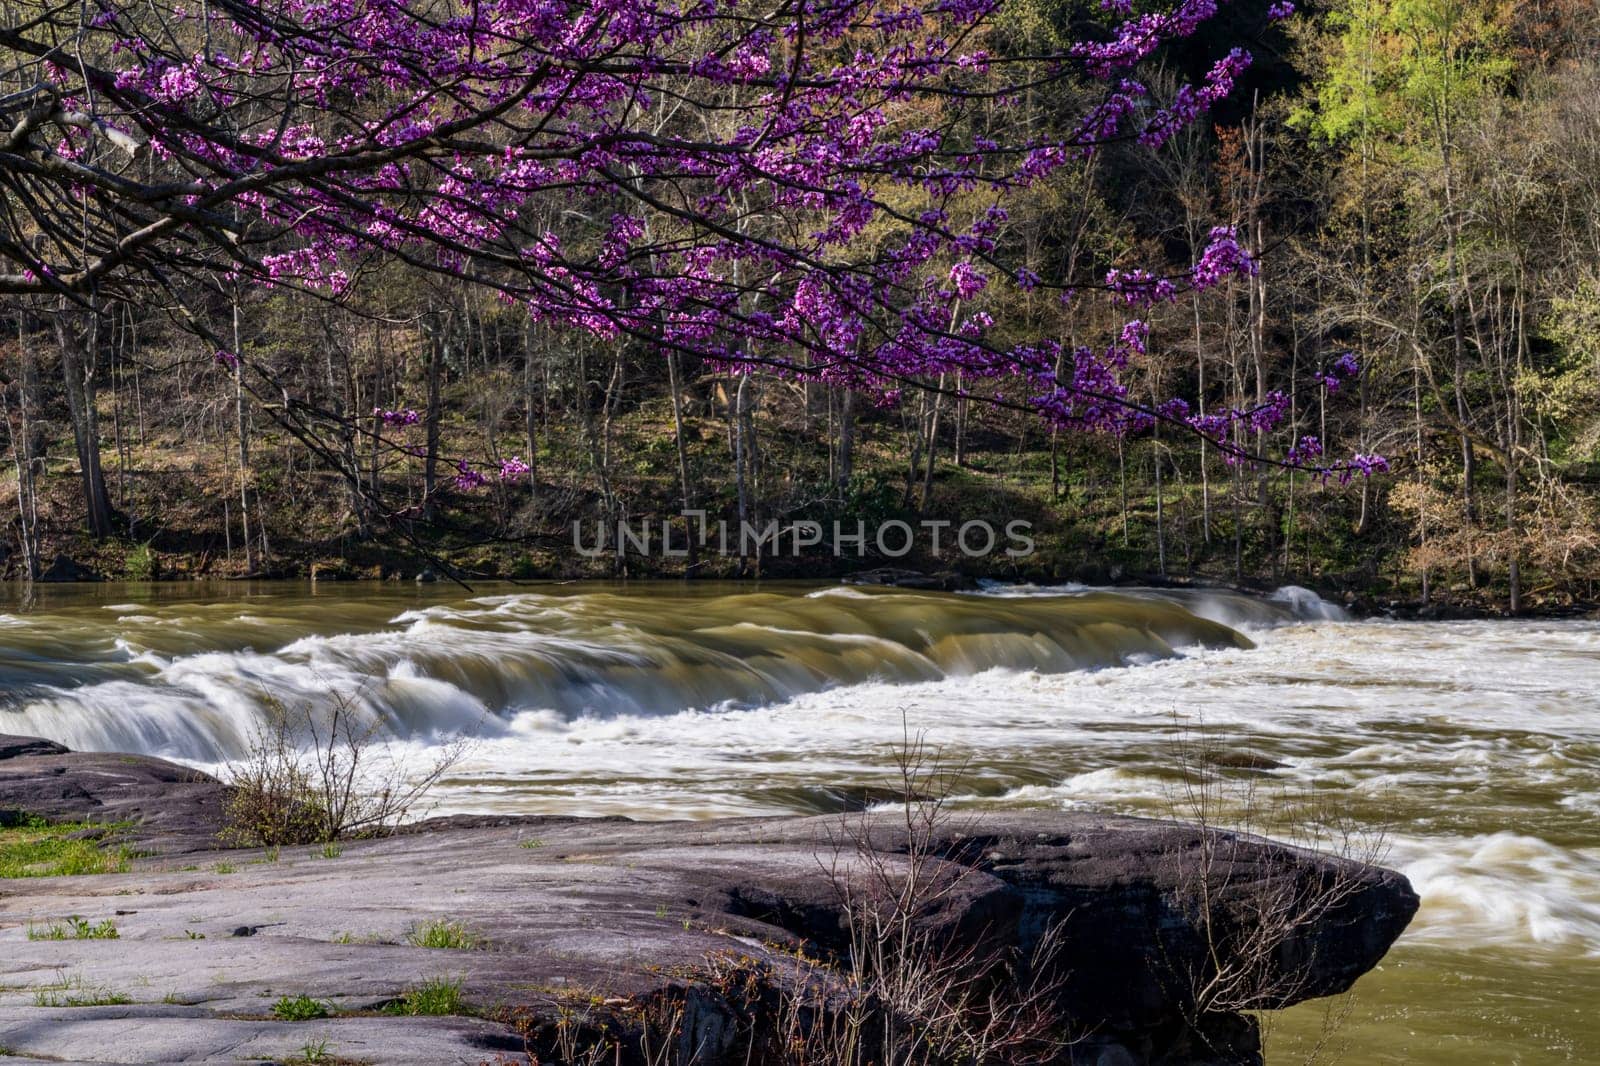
443, 934
72, 992
300, 1008
75, 928
438, 996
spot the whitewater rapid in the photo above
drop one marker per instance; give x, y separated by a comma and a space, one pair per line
1467, 753
190, 682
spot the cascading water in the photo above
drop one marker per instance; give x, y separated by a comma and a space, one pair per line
195, 685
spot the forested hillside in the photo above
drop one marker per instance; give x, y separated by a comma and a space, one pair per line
1417, 181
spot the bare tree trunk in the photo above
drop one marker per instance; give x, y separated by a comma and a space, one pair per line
961, 422
78, 376
847, 438
741, 430
933, 445
1514, 567
1161, 528
530, 416
1122, 478
21, 433
430, 457
349, 405
242, 427
675, 382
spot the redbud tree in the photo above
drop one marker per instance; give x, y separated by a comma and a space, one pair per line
728, 179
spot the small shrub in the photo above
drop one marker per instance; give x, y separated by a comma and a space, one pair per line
300, 1008
139, 564
438, 996
316, 773
331, 850
225, 868
443, 934
75, 928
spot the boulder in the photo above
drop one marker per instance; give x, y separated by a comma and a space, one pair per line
64, 569
173, 808
15, 747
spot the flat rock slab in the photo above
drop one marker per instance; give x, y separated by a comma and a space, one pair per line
607, 910
164, 1034
612, 912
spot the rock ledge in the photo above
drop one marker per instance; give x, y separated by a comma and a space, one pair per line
624, 917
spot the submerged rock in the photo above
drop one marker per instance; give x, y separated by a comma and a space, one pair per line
712, 932
942, 581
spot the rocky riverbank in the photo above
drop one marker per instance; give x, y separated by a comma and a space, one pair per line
708, 939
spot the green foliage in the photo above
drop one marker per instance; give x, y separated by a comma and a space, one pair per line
438, 996
75, 928
443, 934
299, 1008
37, 849
140, 564
871, 499
1569, 396
1406, 70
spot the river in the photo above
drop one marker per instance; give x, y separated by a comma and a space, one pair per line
1466, 754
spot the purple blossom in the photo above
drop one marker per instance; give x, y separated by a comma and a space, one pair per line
967, 281
467, 477
1304, 450
831, 133
403, 417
